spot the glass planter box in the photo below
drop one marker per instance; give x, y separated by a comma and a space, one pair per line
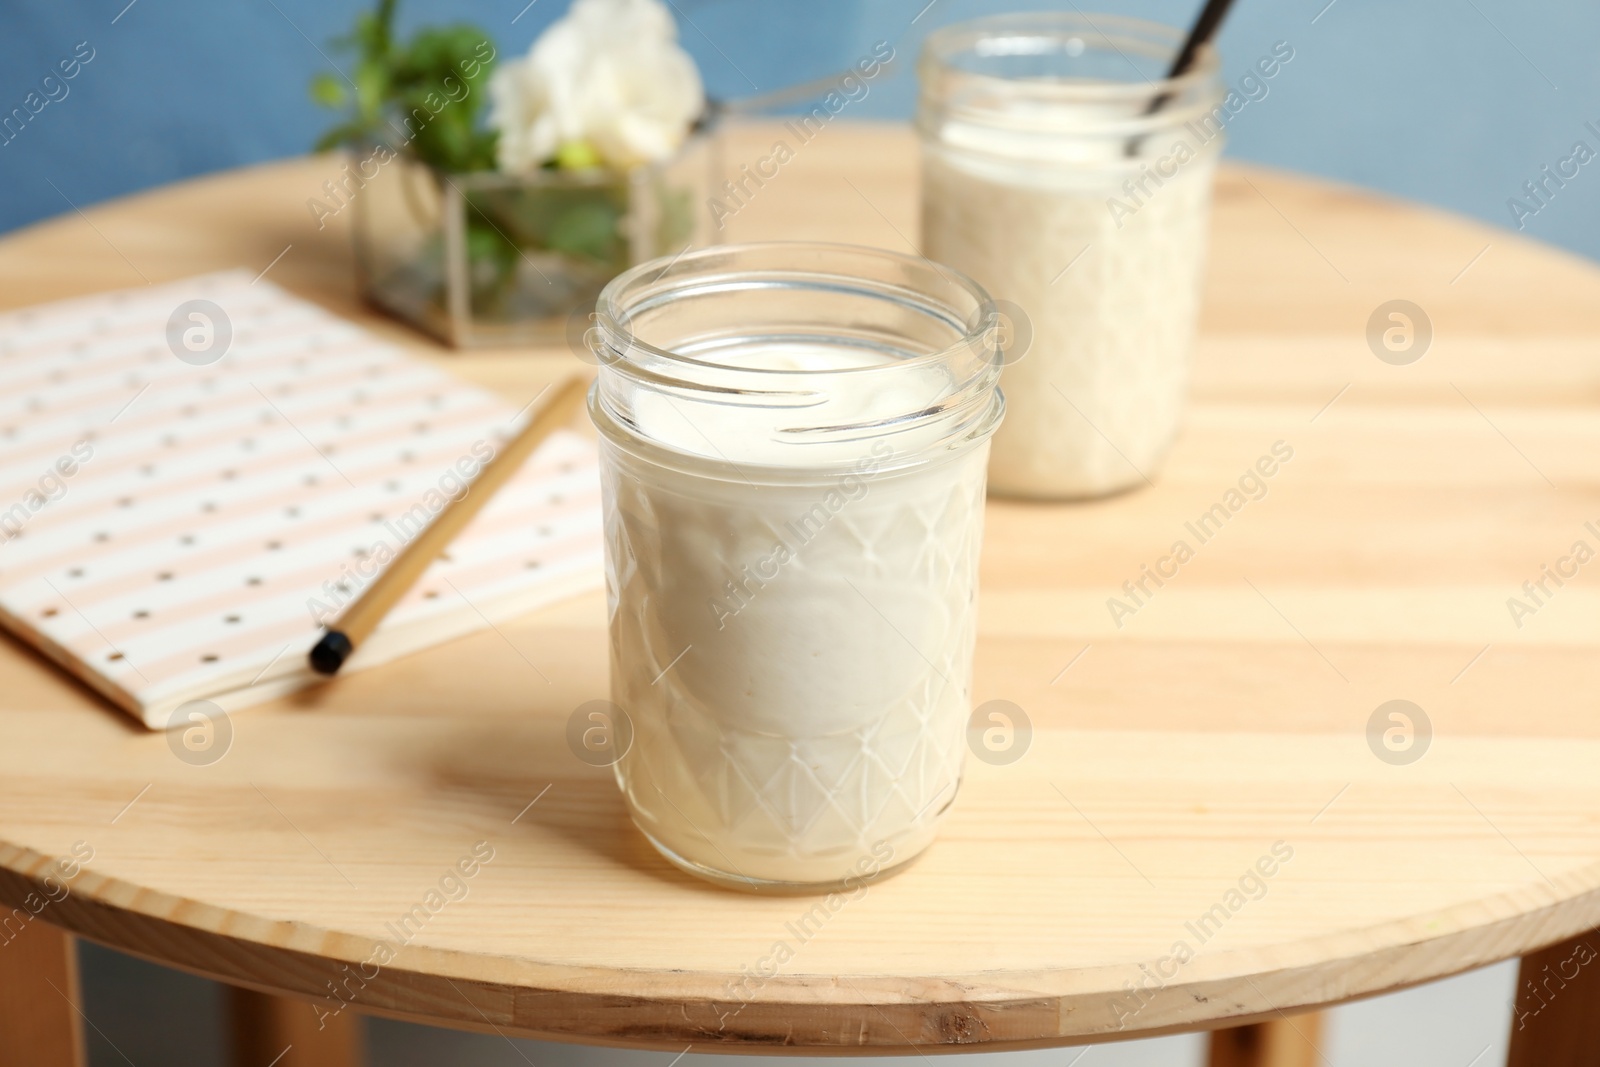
491, 259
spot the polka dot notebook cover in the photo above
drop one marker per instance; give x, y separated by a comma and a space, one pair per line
193, 475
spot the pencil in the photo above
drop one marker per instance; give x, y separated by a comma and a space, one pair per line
353, 625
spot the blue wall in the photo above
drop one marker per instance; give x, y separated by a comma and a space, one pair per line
1454, 102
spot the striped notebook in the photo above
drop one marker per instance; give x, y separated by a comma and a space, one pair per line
194, 476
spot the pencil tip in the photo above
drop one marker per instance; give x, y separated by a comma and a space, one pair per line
329, 654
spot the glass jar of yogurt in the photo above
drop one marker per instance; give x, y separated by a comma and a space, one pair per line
1068, 176
793, 450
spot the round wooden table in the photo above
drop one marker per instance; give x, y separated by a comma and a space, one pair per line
1218, 820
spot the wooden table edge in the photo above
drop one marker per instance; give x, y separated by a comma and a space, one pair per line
665, 1009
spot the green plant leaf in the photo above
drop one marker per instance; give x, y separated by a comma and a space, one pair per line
372, 88
440, 51
343, 134
588, 230
328, 90
423, 96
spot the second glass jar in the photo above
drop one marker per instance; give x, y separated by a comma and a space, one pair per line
1066, 174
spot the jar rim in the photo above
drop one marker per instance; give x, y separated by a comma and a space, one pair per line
611, 317
943, 45
931, 338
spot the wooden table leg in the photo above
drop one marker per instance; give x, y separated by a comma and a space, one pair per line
1557, 1013
271, 1031
39, 1025
1277, 1042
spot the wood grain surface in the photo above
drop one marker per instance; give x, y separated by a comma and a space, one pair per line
1557, 1018
273, 1031
1199, 777
41, 1009
1284, 1041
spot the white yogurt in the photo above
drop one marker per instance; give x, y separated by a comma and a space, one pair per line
794, 651
1069, 176
1094, 404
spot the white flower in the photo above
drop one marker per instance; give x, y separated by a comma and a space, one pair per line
609, 74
